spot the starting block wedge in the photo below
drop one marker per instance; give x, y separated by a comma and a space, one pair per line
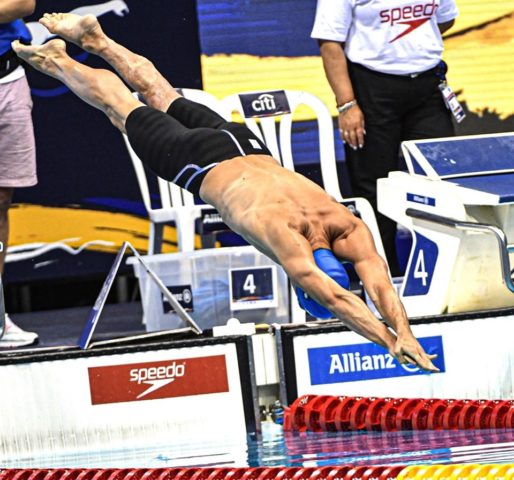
457, 199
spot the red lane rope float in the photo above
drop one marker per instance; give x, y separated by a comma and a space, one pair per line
372, 417
466, 418
327, 414
330, 413
313, 411
389, 413
346, 472
342, 413
358, 413
297, 412
499, 414
429, 414
404, 413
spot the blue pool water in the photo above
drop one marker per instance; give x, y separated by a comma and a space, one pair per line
275, 448
383, 448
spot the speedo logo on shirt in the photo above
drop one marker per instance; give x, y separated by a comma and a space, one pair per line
412, 16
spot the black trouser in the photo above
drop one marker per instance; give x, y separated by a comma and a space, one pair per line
395, 108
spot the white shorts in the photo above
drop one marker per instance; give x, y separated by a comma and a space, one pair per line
17, 145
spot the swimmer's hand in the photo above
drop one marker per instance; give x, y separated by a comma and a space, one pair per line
408, 350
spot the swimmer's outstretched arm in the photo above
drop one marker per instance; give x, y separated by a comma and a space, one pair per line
375, 278
294, 253
354, 313
345, 305
372, 271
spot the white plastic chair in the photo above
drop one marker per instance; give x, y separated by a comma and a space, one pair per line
269, 114
177, 205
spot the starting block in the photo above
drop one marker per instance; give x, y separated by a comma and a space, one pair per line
457, 199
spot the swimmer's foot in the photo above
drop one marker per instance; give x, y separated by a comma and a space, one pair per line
47, 58
84, 31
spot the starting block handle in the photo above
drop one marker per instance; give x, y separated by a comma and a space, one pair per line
499, 234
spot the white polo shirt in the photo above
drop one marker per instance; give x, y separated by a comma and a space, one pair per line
389, 36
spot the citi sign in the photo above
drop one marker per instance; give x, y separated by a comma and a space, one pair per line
264, 104
365, 361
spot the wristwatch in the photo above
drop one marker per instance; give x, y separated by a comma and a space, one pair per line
346, 106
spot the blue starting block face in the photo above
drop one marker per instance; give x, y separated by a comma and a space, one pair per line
481, 162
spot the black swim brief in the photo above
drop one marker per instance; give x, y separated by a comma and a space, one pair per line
183, 144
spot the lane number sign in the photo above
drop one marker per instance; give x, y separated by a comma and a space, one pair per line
253, 288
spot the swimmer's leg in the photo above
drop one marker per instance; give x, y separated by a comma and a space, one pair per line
136, 70
171, 150
140, 74
101, 89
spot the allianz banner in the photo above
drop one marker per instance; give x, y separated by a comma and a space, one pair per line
365, 361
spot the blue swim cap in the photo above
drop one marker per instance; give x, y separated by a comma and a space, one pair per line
327, 262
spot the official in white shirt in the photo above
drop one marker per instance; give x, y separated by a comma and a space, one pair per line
382, 59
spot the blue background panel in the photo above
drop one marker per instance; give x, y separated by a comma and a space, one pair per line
471, 155
257, 27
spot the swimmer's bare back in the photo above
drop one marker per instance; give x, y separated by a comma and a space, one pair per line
259, 199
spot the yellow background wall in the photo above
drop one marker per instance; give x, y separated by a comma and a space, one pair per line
479, 51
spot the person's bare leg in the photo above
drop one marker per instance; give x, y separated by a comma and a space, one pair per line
136, 70
5, 203
101, 89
